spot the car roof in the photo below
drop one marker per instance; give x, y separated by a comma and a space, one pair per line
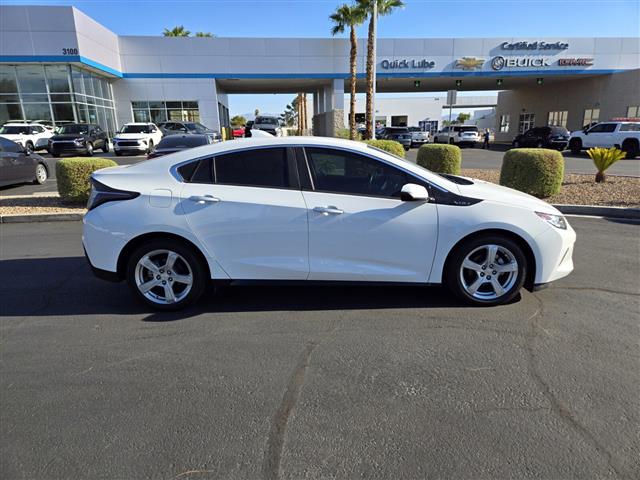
139, 123
18, 124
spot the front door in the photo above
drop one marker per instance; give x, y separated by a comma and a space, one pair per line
246, 208
359, 229
600, 135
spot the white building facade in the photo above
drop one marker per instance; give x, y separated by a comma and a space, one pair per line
56, 63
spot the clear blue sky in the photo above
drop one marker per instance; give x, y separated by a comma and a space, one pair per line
309, 18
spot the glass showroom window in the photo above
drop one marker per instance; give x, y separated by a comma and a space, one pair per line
504, 123
633, 111
157, 111
558, 119
591, 115
527, 121
10, 108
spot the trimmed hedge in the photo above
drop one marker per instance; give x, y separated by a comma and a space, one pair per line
391, 146
73, 176
440, 158
536, 171
344, 133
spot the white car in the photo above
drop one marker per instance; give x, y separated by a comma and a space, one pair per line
31, 136
315, 209
458, 135
272, 125
623, 135
418, 136
136, 137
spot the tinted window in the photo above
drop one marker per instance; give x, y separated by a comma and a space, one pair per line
79, 128
15, 130
203, 172
630, 127
345, 172
136, 129
266, 167
7, 145
182, 141
266, 120
603, 128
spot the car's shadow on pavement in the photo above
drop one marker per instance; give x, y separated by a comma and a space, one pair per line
66, 286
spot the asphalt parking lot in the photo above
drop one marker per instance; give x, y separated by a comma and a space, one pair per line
292, 383
471, 158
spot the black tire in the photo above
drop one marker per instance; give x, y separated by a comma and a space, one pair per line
575, 145
198, 272
41, 174
630, 147
539, 144
105, 146
453, 275
29, 146
55, 155
89, 149
118, 153
451, 141
151, 146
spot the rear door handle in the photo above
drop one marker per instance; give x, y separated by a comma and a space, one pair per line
328, 210
202, 199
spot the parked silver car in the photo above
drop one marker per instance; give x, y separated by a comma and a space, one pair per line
418, 136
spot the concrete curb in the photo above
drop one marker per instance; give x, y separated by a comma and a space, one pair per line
42, 217
590, 210
600, 211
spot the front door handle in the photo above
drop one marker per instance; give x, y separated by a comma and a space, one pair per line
202, 199
328, 210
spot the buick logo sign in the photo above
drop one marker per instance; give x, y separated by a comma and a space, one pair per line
497, 63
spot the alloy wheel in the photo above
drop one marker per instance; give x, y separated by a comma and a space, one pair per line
163, 276
489, 272
41, 174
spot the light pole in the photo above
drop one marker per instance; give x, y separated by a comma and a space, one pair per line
374, 19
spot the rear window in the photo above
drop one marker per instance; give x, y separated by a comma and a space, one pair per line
265, 167
200, 171
470, 128
630, 127
266, 121
182, 141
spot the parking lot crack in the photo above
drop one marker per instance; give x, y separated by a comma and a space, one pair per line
558, 408
599, 289
275, 442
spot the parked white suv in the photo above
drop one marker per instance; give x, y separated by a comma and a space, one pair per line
31, 136
458, 135
136, 137
271, 125
623, 135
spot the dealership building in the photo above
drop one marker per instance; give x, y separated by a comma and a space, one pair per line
58, 64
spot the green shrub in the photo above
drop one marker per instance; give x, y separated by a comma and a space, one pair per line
73, 176
440, 158
536, 171
391, 146
344, 133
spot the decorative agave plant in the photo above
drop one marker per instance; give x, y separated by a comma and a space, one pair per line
603, 158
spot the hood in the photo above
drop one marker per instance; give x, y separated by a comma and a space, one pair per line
69, 136
504, 195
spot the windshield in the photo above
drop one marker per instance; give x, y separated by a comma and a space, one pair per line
182, 141
397, 130
15, 130
267, 120
135, 129
196, 127
79, 129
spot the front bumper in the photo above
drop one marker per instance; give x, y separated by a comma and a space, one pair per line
130, 148
555, 254
559, 144
66, 148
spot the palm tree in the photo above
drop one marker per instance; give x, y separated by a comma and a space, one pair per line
350, 16
204, 34
178, 31
385, 7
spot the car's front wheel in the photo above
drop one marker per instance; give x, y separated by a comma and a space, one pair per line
105, 146
166, 275
41, 174
89, 149
487, 270
575, 145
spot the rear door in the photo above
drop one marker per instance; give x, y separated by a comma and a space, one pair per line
247, 209
359, 228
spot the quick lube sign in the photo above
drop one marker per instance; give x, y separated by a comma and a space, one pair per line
422, 64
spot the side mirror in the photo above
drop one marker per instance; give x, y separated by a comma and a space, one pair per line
414, 193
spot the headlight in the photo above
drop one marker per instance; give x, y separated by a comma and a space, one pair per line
557, 221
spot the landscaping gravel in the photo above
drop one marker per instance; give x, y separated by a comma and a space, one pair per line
37, 204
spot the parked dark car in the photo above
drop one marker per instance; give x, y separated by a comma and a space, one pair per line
18, 165
401, 135
76, 138
247, 129
188, 128
176, 143
556, 138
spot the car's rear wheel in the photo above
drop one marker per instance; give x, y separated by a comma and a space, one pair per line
105, 146
166, 275
487, 270
575, 146
150, 149
28, 146
41, 174
539, 144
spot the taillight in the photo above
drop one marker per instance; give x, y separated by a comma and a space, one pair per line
100, 193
